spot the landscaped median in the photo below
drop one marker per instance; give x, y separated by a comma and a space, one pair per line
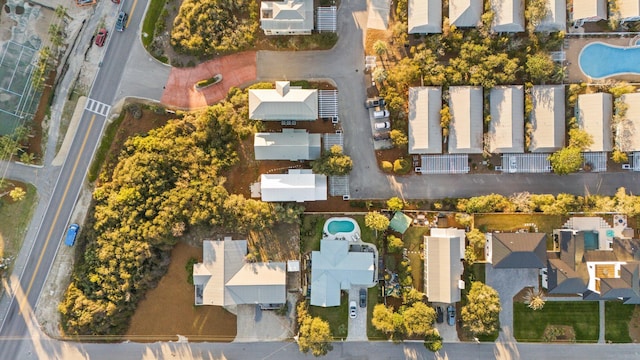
563, 321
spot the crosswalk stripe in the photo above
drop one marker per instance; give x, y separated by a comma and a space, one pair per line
97, 107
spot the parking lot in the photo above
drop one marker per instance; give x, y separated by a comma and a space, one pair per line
380, 122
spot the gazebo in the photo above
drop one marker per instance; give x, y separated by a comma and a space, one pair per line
400, 222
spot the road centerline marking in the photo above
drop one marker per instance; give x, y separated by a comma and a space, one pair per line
133, 8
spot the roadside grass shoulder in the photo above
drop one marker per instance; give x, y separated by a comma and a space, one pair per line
16, 216
103, 150
151, 18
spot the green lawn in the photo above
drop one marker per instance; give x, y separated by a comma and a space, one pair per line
413, 239
149, 24
15, 219
616, 321
513, 222
367, 234
336, 316
311, 232
373, 298
583, 316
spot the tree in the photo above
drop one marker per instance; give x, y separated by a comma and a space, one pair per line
418, 319
481, 314
627, 204
476, 239
566, 160
314, 333
535, 12
395, 204
470, 255
619, 157
17, 194
580, 139
385, 320
380, 48
540, 67
333, 162
379, 75
433, 341
534, 299
376, 221
445, 119
399, 138
394, 244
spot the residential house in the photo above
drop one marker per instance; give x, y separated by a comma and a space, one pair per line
425, 16
628, 131
425, 133
506, 128
465, 128
465, 13
520, 250
629, 10
290, 144
444, 252
547, 118
508, 16
225, 278
285, 102
589, 10
297, 185
594, 116
337, 267
556, 19
288, 17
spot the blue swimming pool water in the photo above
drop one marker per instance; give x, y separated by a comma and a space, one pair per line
339, 226
599, 60
590, 240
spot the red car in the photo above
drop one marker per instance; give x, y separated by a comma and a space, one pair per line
101, 37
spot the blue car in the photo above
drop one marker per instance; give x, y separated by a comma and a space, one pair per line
71, 234
451, 315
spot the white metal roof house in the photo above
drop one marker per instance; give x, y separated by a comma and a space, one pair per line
629, 10
556, 19
290, 144
224, 278
506, 128
298, 185
589, 10
335, 268
444, 250
547, 118
289, 17
508, 15
594, 117
465, 13
425, 16
283, 103
425, 133
628, 133
465, 128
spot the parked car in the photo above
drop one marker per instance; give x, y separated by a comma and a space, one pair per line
382, 136
381, 114
451, 315
374, 102
72, 232
121, 23
353, 310
101, 37
439, 315
382, 125
363, 297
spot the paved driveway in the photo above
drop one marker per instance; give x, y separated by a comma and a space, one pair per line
509, 282
264, 325
358, 326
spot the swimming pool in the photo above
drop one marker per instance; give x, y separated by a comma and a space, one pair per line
341, 228
591, 240
599, 60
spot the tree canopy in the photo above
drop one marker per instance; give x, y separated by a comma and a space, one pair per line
376, 221
480, 315
333, 162
314, 334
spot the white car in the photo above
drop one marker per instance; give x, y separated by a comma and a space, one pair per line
382, 125
353, 310
381, 114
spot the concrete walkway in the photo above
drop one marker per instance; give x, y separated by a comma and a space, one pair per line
601, 337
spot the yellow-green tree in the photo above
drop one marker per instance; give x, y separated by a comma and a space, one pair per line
481, 314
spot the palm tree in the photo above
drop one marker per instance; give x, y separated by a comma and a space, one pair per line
380, 48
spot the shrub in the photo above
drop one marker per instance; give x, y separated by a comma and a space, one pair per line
189, 268
387, 166
402, 166
433, 341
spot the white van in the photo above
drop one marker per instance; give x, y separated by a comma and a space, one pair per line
381, 114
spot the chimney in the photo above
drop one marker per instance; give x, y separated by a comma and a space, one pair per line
282, 87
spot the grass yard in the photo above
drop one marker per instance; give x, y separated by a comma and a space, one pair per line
311, 232
373, 299
513, 222
15, 219
413, 239
617, 318
583, 316
336, 316
149, 23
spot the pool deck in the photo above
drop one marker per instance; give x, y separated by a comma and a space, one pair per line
576, 44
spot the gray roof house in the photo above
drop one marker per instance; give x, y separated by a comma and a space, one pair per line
465, 13
285, 102
444, 252
224, 278
289, 17
297, 185
556, 19
465, 128
335, 268
628, 132
425, 16
506, 128
629, 10
290, 144
518, 250
425, 133
589, 10
508, 15
547, 118
594, 116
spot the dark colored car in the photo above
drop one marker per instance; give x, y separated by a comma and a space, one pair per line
439, 315
375, 102
121, 23
382, 136
363, 298
451, 315
101, 37
72, 232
